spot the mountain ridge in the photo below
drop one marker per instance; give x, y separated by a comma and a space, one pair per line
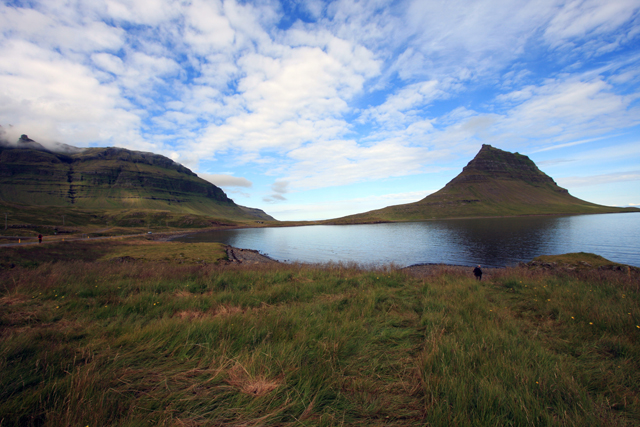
109, 178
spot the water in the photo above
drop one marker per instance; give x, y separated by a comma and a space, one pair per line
493, 242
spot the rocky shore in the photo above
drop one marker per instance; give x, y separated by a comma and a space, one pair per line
247, 256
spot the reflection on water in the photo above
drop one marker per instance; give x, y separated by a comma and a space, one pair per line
490, 242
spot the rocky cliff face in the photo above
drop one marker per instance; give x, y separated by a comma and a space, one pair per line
108, 178
492, 163
134, 171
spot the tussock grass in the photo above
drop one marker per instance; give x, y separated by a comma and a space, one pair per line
160, 343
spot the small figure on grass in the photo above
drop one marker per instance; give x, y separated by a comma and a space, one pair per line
39, 238
478, 273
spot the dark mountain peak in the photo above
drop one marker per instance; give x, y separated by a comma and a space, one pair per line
493, 163
26, 142
491, 159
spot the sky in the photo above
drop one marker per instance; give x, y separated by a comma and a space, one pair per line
313, 109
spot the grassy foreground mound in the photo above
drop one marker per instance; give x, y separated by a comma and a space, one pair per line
159, 343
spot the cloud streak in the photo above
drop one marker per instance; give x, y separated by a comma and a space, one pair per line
580, 181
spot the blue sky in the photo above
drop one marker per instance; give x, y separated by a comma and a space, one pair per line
314, 109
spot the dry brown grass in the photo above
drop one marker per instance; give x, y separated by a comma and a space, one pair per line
181, 293
190, 314
13, 299
253, 385
227, 310
220, 311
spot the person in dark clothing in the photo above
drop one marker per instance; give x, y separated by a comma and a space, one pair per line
478, 273
39, 238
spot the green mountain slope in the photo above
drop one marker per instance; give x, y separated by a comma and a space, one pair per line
109, 179
494, 183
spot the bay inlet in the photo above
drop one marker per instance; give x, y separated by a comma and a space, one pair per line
491, 242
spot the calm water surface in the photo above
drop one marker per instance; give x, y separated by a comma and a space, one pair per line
490, 242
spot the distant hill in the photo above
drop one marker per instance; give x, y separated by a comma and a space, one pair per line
494, 183
108, 179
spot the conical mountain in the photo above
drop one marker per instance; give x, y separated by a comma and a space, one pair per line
494, 183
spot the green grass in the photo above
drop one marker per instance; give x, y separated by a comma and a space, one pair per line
167, 251
50, 217
160, 343
123, 249
577, 259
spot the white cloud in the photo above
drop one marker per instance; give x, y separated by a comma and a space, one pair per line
274, 198
280, 187
146, 12
579, 18
604, 154
222, 180
580, 181
554, 114
343, 207
570, 144
394, 111
50, 97
109, 63
572, 108
341, 162
56, 31
289, 99
208, 30
466, 39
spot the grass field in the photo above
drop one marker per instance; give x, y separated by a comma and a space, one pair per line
184, 341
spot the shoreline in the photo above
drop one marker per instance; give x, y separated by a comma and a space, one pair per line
248, 256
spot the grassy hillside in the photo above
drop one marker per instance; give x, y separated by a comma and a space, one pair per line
494, 183
108, 179
32, 220
98, 342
